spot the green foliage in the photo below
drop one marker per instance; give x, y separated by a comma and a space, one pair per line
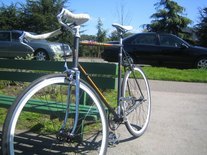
34, 16
28, 57
202, 27
10, 17
3, 113
90, 51
58, 57
40, 15
171, 74
168, 18
114, 36
101, 34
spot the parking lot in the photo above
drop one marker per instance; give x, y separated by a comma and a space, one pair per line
178, 123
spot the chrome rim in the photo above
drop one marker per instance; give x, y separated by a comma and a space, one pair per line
41, 56
202, 64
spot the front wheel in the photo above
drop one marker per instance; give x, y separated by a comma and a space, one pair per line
137, 101
39, 121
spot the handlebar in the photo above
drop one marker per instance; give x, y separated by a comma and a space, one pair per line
66, 19
30, 36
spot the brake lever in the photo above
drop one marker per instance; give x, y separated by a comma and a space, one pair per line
22, 40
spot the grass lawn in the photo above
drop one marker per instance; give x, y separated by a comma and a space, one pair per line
170, 74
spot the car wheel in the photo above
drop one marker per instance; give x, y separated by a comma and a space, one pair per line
41, 55
202, 63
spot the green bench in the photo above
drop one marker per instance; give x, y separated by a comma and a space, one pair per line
104, 75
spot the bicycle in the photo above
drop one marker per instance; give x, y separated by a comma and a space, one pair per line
74, 128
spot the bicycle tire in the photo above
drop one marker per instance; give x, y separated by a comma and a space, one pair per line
37, 135
137, 108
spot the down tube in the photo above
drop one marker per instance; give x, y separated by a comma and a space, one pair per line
90, 81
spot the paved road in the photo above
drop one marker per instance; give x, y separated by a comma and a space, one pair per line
178, 123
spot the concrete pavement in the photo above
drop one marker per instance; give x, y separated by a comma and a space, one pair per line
178, 123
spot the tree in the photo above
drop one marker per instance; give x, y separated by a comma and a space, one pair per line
100, 37
123, 18
10, 17
123, 14
101, 34
168, 18
40, 15
202, 28
36, 15
114, 35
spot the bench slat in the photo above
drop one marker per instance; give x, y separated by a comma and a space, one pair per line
91, 67
102, 82
39, 106
103, 74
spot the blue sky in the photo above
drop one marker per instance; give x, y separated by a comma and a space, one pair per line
137, 12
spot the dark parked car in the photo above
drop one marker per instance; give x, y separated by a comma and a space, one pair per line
10, 47
159, 49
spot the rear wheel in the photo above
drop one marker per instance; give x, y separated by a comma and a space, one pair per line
46, 131
137, 101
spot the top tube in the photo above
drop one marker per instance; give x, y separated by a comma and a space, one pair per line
95, 43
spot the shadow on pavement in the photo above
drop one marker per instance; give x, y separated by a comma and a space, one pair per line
27, 143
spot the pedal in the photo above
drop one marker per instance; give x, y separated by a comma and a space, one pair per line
113, 139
